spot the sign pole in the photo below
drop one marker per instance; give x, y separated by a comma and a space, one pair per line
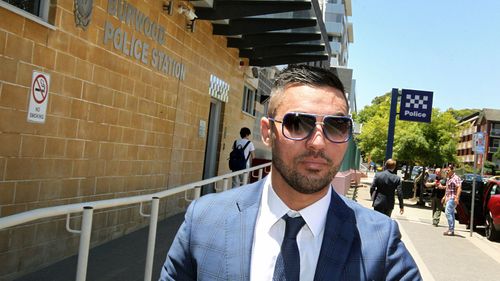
392, 123
478, 148
483, 157
473, 195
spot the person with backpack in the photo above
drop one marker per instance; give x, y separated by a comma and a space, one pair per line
241, 156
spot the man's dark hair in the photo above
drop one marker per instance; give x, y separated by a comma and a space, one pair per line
308, 75
302, 75
244, 132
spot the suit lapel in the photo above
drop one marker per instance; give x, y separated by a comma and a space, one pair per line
339, 233
239, 231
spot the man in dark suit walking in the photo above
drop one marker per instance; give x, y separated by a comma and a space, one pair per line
383, 189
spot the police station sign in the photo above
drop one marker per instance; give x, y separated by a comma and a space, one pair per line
415, 105
132, 35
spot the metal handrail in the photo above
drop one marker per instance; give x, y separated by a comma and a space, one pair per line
88, 208
53, 211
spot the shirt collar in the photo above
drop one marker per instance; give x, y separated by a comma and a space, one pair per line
273, 209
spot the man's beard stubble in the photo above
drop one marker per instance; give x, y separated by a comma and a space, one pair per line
303, 183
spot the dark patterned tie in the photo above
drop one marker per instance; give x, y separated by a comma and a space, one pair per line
288, 262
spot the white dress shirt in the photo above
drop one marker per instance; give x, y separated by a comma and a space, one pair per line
270, 229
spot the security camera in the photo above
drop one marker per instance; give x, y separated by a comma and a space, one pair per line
188, 13
191, 15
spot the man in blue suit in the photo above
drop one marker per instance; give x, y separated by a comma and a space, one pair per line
292, 225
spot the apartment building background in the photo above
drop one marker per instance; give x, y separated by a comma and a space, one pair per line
486, 121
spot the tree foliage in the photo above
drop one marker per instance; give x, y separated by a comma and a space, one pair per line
419, 143
459, 114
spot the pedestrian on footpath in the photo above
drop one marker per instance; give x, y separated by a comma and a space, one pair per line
292, 225
419, 184
241, 155
384, 186
438, 190
451, 198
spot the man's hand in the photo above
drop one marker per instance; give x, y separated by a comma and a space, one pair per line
456, 200
401, 211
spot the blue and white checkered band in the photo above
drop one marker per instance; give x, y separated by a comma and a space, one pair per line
415, 105
218, 89
416, 101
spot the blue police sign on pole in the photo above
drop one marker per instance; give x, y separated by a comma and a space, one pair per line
415, 106
392, 123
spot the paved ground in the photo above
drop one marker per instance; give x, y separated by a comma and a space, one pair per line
439, 257
122, 259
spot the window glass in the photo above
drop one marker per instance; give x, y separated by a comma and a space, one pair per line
495, 190
248, 105
30, 6
35, 10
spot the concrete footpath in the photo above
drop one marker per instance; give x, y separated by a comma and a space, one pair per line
439, 257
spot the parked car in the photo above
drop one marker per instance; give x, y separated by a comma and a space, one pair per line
415, 171
492, 210
486, 207
495, 178
468, 179
464, 206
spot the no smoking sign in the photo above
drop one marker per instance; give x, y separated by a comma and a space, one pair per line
39, 94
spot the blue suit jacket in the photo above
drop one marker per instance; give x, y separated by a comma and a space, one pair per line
215, 241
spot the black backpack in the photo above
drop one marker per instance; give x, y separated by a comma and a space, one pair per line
237, 159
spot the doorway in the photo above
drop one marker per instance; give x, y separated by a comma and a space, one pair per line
212, 145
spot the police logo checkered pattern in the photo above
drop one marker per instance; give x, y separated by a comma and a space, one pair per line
416, 102
219, 89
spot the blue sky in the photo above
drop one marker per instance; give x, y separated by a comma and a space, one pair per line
450, 47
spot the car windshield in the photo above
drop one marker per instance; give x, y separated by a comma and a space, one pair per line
415, 171
470, 177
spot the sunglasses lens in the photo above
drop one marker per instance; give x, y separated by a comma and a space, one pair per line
337, 129
298, 126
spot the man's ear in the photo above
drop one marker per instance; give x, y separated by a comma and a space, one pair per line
265, 131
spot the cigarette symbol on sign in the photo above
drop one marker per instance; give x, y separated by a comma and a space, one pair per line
40, 89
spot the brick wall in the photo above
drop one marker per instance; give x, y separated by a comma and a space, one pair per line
115, 127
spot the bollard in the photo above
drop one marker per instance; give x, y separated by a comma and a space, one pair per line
83, 251
153, 222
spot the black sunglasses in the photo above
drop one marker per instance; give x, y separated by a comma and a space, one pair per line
299, 126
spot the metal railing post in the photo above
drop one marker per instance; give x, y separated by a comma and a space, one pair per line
225, 184
83, 251
260, 174
153, 222
245, 178
87, 209
197, 192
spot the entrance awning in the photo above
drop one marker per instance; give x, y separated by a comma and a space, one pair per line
269, 33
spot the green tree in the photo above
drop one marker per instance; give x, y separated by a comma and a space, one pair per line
496, 155
419, 143
373, 138
459, 114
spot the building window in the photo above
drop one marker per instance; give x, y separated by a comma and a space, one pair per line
32, 7
248, 105
36, 10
